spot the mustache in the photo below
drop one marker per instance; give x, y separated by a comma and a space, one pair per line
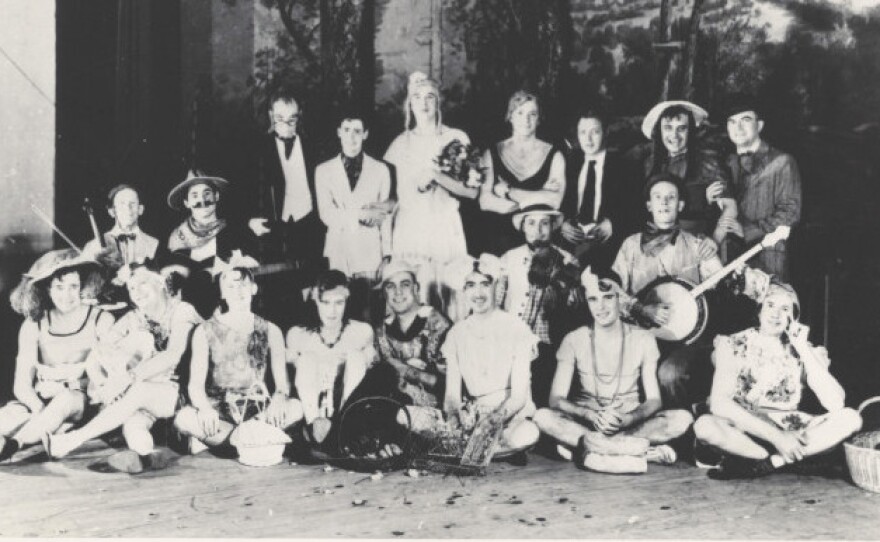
203, 204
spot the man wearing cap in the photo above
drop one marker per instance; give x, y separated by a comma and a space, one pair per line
409, 339
709, 207
759, 379
664, 248
125, 243
488, 358
202, 236
612, 361
541, 286
766, 182
599, 201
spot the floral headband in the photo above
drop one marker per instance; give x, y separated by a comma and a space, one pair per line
486, 264
126, 272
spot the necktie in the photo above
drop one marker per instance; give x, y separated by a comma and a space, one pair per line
747, 161
288, 146
352, 169
588, 203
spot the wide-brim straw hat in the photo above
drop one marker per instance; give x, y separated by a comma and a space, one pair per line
540, 209
193, 177
653, 115
54, 261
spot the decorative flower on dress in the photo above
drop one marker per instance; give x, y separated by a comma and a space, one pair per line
462, 162
237, 260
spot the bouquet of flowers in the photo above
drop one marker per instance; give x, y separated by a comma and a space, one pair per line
462, 163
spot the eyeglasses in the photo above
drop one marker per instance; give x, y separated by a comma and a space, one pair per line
290, 122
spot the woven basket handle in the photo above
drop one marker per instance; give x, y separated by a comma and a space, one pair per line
868, 402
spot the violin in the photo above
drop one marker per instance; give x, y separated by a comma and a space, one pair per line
90, 211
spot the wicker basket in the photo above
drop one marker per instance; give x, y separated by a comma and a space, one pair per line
862, 456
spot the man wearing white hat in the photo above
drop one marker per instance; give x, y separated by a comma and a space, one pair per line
541, 288
409, 339
671, 126
612, 361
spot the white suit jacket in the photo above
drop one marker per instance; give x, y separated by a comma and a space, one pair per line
351, 247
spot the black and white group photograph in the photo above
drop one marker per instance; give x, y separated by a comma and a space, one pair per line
568, 269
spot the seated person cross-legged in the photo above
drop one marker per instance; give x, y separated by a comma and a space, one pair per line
610, 362
230, 354
759, 378
488, 358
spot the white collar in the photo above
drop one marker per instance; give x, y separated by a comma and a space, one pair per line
753, 148
599, 158
117, 231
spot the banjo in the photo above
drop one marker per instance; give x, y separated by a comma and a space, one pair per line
688, 310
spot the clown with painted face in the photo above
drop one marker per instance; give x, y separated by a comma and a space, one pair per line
133, 372
759, 380
202, 236
231, 353
611, 361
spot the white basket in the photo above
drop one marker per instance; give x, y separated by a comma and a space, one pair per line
862, 457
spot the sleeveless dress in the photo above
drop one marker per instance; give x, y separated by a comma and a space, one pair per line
57, 349
498, 233
236, 383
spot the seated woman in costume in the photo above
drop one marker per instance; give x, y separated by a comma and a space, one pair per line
331, 356
230, 354
54, 341
522, 171
611, 362
759, 378
132, 372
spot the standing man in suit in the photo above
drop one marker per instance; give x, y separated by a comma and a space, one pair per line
599, 206
353, 192
766, 183
284, 210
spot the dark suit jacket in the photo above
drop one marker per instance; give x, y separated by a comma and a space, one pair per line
270, 178
302, 240
621, 197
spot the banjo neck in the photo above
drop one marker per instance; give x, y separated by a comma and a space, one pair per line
779, 234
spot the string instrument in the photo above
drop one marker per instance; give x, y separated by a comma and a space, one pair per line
90, 211
688, 310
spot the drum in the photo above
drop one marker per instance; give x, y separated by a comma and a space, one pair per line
688, 315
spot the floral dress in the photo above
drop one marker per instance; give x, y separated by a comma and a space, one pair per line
770, 376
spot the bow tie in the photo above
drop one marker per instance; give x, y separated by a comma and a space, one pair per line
288, 145
126, 237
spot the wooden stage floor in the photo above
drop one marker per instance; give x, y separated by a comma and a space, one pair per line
203, 496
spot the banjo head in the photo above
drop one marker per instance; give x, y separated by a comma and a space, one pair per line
687, 318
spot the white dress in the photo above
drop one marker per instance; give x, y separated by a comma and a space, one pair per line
428, 228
